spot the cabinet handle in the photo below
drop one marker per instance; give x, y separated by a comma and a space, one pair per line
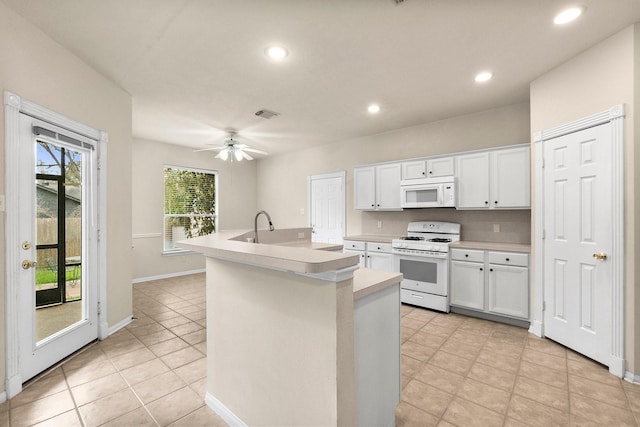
480, 268
417, 296
486, 202
496, 202
373, 206
378, 205
506, 259
491, 269
466, 255
430, 172
422, 173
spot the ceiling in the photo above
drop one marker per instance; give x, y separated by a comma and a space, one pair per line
197, 67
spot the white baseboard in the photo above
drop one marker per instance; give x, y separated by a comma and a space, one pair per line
631, 377
223, 412
617, 366
536, 328
167, 276
121, 324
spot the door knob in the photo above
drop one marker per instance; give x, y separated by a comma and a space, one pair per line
26, 264
600, 256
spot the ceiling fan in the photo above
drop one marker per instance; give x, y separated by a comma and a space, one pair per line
233, 149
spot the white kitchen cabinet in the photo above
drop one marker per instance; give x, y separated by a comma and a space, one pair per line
376, 256
428, 168
493, 282
467, 279
377, 187
497, 179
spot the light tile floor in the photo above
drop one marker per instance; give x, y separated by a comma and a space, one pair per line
456, 370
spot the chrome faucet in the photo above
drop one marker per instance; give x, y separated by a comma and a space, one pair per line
255, 225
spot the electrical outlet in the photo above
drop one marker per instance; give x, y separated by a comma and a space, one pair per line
301, 211
496, 228
2, 203
379, 224
301, 235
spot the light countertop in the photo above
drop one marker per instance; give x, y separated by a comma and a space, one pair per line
371, 238
367, 281
491, 246
297, 256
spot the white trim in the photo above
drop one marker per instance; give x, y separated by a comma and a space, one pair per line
536, 328
103, 277
145, 235
615, 115
3, 397
333, 275
537, 314
13, 382
168, 276
223, 412
343, 176
631, 377
121, 324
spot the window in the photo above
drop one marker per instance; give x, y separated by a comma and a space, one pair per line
190, 204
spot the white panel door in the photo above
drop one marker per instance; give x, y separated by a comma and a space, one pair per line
577, 279
327, 208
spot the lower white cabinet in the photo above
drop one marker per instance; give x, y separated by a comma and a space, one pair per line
376, 256
490, 281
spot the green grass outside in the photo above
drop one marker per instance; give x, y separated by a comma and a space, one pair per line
48, 276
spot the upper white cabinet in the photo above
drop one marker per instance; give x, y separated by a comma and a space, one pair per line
497, 179
429, 168
377, 187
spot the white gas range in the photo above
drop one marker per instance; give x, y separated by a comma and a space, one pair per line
423, 259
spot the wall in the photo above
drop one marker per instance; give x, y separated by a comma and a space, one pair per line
502, 126
592, 82
236, 197
36, 68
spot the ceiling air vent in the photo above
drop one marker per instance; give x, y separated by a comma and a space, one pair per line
266, 114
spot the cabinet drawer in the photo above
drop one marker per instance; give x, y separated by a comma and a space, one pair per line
509, 258
467, 255
354, 245
379, 247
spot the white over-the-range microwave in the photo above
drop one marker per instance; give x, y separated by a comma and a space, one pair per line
428, 193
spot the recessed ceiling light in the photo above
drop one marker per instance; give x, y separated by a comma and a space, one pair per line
484, 76
373, 108
276, 52
568, 15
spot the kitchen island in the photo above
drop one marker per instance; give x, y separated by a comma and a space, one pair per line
296, 333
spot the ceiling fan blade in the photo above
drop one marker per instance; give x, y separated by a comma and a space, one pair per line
245, 155
208, 149
253, 150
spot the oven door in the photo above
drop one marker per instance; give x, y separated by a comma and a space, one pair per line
421, 196
423, 274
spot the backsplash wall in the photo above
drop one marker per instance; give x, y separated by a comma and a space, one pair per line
515, 225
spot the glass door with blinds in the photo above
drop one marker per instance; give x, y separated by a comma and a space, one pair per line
59, 298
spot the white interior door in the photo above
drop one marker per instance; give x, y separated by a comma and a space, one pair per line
58, 291
577, 223
326, 196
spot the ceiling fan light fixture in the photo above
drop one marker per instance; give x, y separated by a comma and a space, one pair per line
568, 15
238, 154
224, 154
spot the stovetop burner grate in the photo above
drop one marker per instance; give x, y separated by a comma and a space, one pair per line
412, 238
440, 240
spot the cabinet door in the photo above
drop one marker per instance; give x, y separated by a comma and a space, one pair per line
440, 167
388, 187
510, 178
364, 188
473, 181
361, 254
413, 170
467, 284
380, 261
509, 290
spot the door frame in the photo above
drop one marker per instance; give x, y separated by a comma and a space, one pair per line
14, 105
615, 115
343, 176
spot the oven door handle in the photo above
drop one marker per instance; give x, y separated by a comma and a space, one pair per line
416, 295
